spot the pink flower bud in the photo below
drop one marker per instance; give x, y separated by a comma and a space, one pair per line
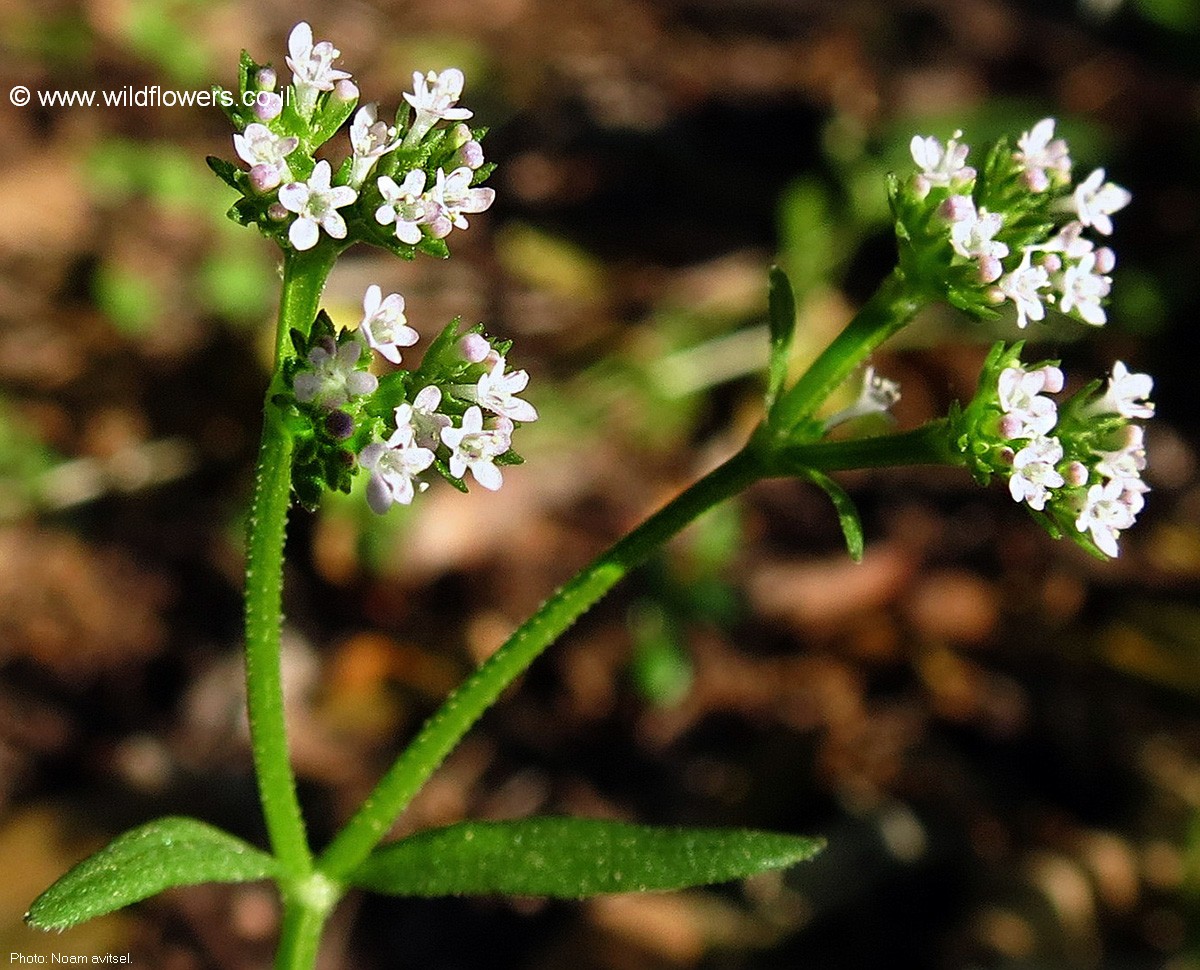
263, 178
1106, 259
1076, 473
1051, 262
474, 348
470, 155
957, 208
990, 269
277, 212
1052, 378
265, 80
267, 105
1007, 456
345, 90
1010, 426
460, 134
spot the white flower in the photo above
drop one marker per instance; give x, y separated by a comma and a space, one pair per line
450, 198
1069, 241
877, 396
476, 448
940, 164
333, 378
258, 145
1022, 286
971, 235
1027, 413
497, 392
1127, 394
316, 205
433, 99
384, 324
423, 417
1035, 473
403, 205
1038, 151
1126, 464
393, 465
1095, 202
1082, 290
312, 67
1108, 509
370, 140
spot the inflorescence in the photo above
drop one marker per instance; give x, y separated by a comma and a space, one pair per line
405, 186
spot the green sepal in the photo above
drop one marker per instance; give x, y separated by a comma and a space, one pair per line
444, 470
510, 457
330, 115
241, 213
846, 512
436, 248
572, 858
782, 319
226, 171
141, 863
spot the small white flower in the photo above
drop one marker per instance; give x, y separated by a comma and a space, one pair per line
1034, 472
451, 197
384, 324
1027, 412
393, 465
403, 205
1069, 241
258, 145
1127, 394
877, 396
940, 164
475, 448
1081, 289
1107, 510
334, 377
1022, 286
370, 140
423, 417
315, 204
433, 99
1095, 202
1126, 463
1038, 151
971, 236
497, 392
312, 67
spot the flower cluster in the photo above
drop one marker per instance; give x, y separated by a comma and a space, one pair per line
1011, 231
404, 186
1076, 465
454, 414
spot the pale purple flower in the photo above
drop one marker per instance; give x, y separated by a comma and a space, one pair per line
476, 448
433, 99
333, 376
1069, 241
1027, 412
370, 140
1039, 152
1127, 394
384, 324
393, 466
315, 204
1022, 286
423, 417
476, 350
1034, 472
1081, 289
497, 392
403, 205
941, 165
451, 198
262, 149
312, 67
971, 235
267, 105
1107, 510
1095, 200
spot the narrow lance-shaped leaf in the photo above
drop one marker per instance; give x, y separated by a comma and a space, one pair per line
570, 858
781, 303
846, 512
143, 862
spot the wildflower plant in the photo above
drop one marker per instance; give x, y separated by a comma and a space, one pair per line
1008, 226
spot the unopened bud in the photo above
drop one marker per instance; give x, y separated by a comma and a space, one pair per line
470, 155
263, 178
345, 90
267, 106
474, 348
957, 208
1106, 259
1010, 426
339, 425
277, 212
1051, 262
990, 269
1052, 379
1076, 473
460, 134
265, 80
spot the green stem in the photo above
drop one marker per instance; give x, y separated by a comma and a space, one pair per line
463, 708
926, 445
892, 306
304, 277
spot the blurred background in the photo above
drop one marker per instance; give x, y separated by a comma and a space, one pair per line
999, 736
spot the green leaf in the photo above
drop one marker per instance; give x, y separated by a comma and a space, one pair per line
569, 858
143, 862
782, 312
847, 513
225, 171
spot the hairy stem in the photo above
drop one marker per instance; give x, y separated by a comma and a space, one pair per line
463, 708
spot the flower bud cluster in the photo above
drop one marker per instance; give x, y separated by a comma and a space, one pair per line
454, 414
1011, 231
404, 186
1077, 465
